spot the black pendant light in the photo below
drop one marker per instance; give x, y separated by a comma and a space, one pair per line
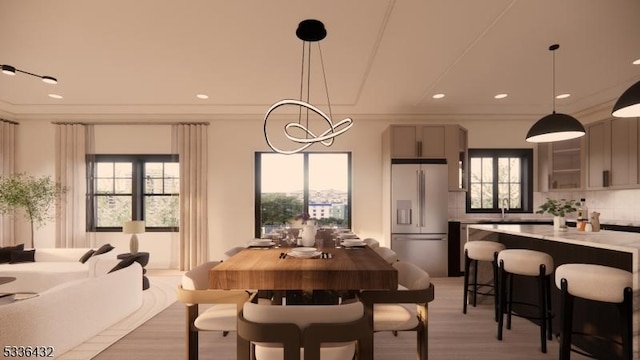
628, 104
555, 126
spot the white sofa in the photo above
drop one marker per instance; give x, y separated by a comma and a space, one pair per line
53, 266
65, 315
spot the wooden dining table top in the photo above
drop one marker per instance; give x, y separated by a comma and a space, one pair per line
265, 269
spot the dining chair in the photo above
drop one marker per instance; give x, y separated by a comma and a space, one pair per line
222, 313
310, 332
234, 250
387, 310
387, 254
371, 242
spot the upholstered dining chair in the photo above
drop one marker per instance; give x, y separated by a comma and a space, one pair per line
387, 254
310, 332
387, 311
221, 315
371, 242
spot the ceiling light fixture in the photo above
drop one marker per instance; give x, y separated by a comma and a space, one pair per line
628, 104
555, 126
438, 96
11, 70
308, 31
501, 96
563, 96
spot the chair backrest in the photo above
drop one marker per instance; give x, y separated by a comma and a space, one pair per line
371, 242
233, 251
411, 276
387, 254
198, 277
293, 328
303, 315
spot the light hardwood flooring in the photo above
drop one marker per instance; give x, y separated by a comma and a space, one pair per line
452, 335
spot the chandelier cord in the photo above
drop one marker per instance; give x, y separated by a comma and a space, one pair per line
324, 76
301, 82
553, 78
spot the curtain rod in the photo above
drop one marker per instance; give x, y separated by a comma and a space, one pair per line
10, 122
128, 123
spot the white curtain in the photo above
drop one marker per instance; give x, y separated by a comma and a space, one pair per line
7, 167
190, 140
71, 173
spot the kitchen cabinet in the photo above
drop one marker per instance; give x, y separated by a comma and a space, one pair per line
560, 165
612, 153
431, 142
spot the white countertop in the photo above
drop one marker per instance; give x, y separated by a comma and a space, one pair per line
605, 239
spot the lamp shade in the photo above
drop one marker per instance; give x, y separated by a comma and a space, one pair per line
8, 70
555, 127
628, 104
133, 227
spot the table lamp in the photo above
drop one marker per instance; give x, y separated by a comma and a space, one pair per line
133, 227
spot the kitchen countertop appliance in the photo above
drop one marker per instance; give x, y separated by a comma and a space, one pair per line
419, 203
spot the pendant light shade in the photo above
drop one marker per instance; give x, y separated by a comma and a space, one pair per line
628, 104
555, 126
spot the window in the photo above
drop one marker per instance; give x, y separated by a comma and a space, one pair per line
288, 184
497, 176
133, 187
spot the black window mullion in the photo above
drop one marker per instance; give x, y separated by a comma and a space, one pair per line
305, 186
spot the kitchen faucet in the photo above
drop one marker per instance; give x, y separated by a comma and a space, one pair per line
504, 207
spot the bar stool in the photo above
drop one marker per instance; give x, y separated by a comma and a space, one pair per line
525, 262
596, 283
475, 251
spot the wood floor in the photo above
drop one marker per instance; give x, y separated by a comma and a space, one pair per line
452, 336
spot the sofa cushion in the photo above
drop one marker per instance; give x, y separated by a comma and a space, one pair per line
5, 252
124, 263
86, 256
103, 249
20, 256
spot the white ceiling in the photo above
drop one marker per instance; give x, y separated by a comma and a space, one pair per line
151, 57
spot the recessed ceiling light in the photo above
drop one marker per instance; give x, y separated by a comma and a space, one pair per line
202, 96
636, 62
501, 96
562, 96
438, 96
55, 96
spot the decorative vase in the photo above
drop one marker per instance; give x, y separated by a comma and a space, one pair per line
559, 222
308, 235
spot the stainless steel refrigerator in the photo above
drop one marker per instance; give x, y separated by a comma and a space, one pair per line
419, 202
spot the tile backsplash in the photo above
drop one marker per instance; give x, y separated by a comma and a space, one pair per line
620, 207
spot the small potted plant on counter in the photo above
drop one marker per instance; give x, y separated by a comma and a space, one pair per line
559, 209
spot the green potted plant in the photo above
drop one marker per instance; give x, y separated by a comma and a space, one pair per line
34, 196
559, 209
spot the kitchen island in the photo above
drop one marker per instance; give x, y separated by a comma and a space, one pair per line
610, 248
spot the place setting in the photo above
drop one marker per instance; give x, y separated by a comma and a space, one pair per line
306, 253
261, 243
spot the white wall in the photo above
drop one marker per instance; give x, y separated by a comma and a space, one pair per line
232, 144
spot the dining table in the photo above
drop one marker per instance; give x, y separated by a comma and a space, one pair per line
276, 268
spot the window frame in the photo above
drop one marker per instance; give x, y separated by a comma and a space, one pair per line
305, 204
526, 176
137, 187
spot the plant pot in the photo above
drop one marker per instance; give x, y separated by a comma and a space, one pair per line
559, 222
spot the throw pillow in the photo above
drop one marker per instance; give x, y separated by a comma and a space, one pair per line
124, 263
103, 249
5, 252
86, 256
21, 256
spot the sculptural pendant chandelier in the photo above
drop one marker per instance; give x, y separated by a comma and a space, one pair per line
309, 31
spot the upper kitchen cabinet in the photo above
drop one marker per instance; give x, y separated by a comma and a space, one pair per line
612, 153
560, 165
431, 142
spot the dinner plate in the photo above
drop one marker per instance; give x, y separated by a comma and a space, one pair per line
304, 250
261, 243
304, 255
348, 236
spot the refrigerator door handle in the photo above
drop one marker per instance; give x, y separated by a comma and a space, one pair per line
418, 182
422, 198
